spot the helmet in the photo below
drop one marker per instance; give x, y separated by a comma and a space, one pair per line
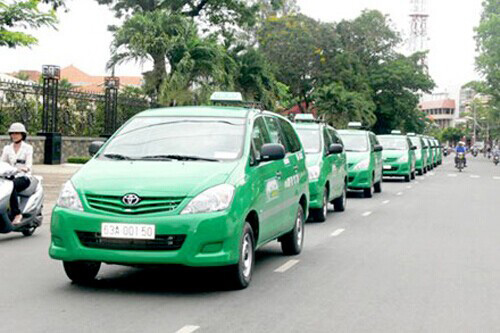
17, 128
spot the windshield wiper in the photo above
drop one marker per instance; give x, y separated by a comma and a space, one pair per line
117, 157
187, 158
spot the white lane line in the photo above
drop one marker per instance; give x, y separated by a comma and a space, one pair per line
496, 178
452, 175
337, 232
366, 214
188, 329
416, 182
399, 193
475, 176
409, 187
286, 266
431, 173
385, 202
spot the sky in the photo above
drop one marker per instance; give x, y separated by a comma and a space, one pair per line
82, 38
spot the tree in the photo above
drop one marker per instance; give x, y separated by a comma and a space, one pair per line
21, 15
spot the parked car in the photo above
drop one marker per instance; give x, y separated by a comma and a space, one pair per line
398, 156
327, 165
430, 153
420, 153
364, 159
195, 186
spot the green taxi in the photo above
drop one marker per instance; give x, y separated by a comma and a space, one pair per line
195, 186
398, 156
430, 153
364, 159
439, 152
434, 149
326, 163
420, 153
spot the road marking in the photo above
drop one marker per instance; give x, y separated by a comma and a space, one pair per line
399, 193
385, 202
496, 178
452, 175
409, 187
475, 176
286, 266
337, 232
366, 214
188, 329
431, 173
416, 182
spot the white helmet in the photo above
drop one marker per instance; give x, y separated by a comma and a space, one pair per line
17, 128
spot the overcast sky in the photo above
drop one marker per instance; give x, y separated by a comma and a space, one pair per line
82, 38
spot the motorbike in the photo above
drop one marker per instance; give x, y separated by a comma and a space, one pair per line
445, 152
460, 162
474, 153
30, 202
496, 159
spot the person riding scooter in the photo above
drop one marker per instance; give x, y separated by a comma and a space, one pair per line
18, 154
461, 149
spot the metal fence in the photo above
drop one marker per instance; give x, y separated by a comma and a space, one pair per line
79, 113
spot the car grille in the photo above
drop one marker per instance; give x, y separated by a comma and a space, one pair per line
160, 243
351, 179
147, 205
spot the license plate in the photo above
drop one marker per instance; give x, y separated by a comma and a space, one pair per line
387, 167
127, 231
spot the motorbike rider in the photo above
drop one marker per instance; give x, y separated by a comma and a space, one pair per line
18, 154
461, 149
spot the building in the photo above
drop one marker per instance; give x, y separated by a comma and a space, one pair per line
467, 95
441, 111
84, 81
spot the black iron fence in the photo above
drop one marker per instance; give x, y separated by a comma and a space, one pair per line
76, 112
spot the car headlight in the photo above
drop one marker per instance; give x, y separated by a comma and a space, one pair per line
314, 172
403, 159
68, 198
214, 199
364, 164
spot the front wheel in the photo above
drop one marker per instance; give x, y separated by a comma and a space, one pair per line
240, 274
28, 231
81, 272
340, 203
292, 242
378, 186
367, 192
320, 214
407, 178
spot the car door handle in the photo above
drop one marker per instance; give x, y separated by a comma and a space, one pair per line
279, 174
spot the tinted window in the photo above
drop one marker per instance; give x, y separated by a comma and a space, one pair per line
334, 136
291, 138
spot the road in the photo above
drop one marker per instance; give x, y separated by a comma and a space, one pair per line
423, 257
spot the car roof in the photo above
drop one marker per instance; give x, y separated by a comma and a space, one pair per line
199, 111
392, 136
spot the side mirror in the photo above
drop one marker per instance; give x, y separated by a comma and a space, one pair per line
378, 148
95, 147
335, 149
272, 152
413, 147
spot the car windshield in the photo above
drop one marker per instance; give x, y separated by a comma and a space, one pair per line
355, 142
311, 140
416, 142
178, 138
393, 143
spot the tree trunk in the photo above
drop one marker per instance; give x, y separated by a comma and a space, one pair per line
159, 72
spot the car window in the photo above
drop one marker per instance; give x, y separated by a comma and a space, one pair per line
311, 140
259, 137
416, 142
327, 140
335, 138
275, 134
291, 139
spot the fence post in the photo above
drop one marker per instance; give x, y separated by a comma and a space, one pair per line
51, 75
112, 84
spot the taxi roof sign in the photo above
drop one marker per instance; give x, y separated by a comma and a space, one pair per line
396, 132
226, 97
355, 124
305, 118
411, 134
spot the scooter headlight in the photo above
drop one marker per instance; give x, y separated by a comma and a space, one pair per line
214, 199
68, 198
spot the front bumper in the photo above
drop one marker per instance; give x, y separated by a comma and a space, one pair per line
359, 179
315, 194
396, 169
210, 239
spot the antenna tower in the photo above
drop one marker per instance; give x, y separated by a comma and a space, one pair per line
418, 32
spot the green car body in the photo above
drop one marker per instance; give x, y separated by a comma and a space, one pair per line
364, 160
180, 197
430, 153
434, 151
398, 156
327, 169
420, 153
439, 152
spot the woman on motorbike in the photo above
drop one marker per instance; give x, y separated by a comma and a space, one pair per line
18, 154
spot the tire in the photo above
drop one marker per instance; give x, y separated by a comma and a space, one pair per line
320, 214
413, 175
292, 242
28, 231
240, 274
408, 178
420, 172
425, 170
81, 272
367, 192
378, 186
340, 203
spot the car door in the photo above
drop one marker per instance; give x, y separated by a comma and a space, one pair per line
267, 184
340, 161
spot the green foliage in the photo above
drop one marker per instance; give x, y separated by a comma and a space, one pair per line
452, 134
19, 15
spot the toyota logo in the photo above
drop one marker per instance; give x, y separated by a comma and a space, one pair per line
131, 199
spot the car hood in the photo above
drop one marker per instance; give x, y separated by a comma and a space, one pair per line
393, 153
162, 178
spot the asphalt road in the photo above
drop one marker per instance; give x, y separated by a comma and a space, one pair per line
420, 257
